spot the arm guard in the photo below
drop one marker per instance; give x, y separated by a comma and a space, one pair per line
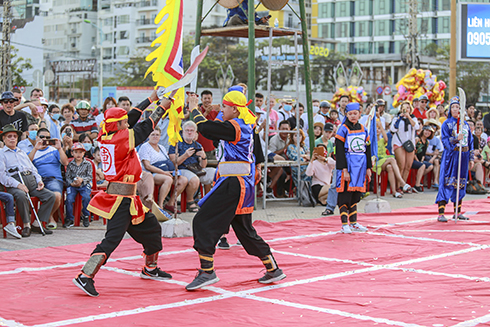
157, 114
198, 117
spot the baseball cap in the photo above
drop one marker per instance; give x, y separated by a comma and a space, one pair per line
43, 101
77, 146
328, 127
423, 97
325, 104
83, 105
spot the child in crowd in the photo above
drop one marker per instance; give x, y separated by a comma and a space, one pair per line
334, 117
10, 228
101, 182
79, 179
353, 154
320, 169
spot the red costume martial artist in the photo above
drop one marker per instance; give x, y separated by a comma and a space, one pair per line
120, 204
231, 199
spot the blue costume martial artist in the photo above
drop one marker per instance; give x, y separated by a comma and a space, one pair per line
231, 200
353, 165
239, 16
451, 138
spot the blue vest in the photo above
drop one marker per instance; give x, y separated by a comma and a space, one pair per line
240, 153
355, 143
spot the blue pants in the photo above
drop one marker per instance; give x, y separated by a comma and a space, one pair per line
8, 199
332, 192
71, 193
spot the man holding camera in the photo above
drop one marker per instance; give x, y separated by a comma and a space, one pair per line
15, 161
48, 156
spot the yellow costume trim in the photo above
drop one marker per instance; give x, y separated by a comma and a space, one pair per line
111, 120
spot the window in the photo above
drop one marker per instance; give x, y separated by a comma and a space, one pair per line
324, 10
434, 25
381, 7
290, 21
108, 22
324, 30
446, 4
124, 35
123, 51
342, 9
108, 37
342, 29
444, 26
382, 27
362, 8
123, 19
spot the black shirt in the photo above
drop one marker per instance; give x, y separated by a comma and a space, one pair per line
18, 119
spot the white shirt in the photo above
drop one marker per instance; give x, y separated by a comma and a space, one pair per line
316, 119
147, 152
401, 136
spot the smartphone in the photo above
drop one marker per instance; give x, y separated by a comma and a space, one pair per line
40, 108
49, 142
319, 151
68, 132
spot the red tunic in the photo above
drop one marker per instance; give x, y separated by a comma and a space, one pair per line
120, 163
207, 144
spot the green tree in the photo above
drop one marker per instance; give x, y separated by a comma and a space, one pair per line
132, 73
473, 77
18, 65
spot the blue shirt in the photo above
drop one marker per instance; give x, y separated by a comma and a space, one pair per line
16, 159
25, 145
183, 147
48, 162
240, 12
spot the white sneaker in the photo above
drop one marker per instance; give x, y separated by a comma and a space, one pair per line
11, 229
346, 229
356, 227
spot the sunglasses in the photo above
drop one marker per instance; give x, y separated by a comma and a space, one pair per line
9, 101
44, 136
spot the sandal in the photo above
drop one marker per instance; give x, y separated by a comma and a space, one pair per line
398, 195
51, 226
192, 206
327, 212
171, 209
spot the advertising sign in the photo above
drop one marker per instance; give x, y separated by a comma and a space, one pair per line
474, 37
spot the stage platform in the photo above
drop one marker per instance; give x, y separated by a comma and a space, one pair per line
408, 270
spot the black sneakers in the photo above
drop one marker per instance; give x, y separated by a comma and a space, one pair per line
37, 229
68, 223
273, 276
202, 279
223, 244
86, 284
85, 221
156, 274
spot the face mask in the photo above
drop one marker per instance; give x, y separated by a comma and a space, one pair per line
316, 109
55, 116
324, 115
288, 107
63, 135
87, 146
32, 135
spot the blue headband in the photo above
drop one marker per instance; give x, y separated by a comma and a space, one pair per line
352, 106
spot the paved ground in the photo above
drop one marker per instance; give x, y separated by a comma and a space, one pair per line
276, 211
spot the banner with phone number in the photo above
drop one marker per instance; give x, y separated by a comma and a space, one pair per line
477, 22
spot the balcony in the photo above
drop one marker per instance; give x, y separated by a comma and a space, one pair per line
145, 39
142, 22
148, 3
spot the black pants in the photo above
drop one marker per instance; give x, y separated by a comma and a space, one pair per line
148, 233
348, 198
216, 215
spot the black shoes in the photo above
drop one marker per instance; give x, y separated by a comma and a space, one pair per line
272, 276
85, 221
68, 223
202, 279
156, 274
223, 244
37, 229
86, 284
26, 232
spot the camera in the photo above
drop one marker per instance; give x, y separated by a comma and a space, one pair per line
49, 142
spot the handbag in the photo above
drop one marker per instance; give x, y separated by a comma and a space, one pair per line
407, 145
165, 165
196, 169
305, 195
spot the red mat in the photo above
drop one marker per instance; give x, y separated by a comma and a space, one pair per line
408, 270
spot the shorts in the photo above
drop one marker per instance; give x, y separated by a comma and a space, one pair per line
54, 185
417, 164
205, 179
315, 190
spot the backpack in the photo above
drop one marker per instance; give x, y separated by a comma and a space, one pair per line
305, 196
475, 187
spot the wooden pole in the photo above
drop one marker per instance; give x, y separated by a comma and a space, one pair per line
452, 53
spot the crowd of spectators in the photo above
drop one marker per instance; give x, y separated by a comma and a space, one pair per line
50, 151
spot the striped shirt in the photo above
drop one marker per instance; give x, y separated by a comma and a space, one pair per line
84, 171
87, 126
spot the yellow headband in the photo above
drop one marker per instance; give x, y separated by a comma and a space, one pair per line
111, 120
